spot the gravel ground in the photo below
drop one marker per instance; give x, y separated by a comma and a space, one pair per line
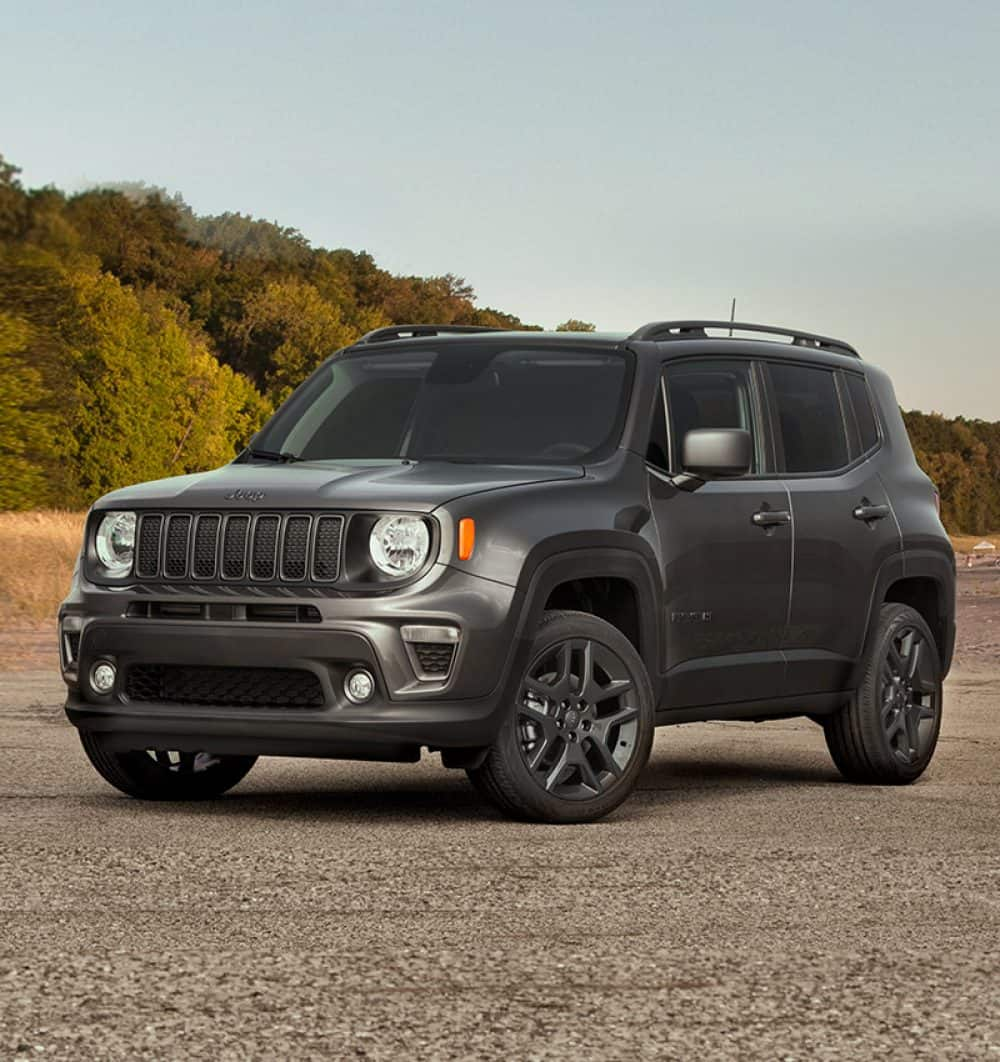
744, 902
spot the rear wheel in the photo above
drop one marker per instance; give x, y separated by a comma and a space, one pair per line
580, 731
888, 733
161, 774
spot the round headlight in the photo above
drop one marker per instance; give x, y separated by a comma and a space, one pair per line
115, 543
399, 544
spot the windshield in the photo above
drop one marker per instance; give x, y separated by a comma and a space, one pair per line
464, 402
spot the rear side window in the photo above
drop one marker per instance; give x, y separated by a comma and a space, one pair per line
864, 413
810, 421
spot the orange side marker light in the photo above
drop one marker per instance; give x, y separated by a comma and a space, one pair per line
466, 538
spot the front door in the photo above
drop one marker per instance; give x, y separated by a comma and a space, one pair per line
726, 548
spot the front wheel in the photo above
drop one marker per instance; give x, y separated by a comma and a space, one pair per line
161, 774
888, 732
580, 731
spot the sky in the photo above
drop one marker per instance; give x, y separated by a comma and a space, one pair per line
833, 166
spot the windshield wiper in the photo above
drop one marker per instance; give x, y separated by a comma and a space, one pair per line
281, 456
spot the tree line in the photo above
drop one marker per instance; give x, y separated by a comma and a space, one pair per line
140, 340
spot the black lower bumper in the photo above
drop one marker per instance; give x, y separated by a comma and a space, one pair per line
386, 728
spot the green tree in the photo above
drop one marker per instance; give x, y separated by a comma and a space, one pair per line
290, 328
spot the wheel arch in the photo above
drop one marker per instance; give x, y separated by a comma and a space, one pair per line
926, 582
609, 578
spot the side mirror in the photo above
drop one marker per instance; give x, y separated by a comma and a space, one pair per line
712, 453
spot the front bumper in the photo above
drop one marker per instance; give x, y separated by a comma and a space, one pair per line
459, 712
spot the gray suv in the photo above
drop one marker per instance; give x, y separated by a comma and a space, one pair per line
525, 551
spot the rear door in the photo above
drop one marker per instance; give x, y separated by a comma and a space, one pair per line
726, 547
827, 440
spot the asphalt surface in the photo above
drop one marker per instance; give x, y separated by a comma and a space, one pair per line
744, 903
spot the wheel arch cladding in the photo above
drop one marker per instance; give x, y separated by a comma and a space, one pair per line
606, 579
927, 585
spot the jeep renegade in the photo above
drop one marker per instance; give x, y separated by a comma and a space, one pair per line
525, 551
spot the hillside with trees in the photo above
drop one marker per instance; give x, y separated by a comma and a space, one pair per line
140, 340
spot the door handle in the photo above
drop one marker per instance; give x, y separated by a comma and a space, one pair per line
772, 517
868, 512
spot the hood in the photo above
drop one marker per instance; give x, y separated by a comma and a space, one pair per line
419, 487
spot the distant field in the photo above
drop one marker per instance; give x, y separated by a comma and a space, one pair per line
37, 554
38, 551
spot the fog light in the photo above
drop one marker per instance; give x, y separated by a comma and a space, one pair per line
359, 686
102, 677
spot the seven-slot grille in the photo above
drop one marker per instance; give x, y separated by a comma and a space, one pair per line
239, 547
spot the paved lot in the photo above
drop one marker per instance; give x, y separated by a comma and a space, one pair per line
744, 903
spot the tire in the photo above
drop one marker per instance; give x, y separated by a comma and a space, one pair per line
888, 732
573, 745
163, 775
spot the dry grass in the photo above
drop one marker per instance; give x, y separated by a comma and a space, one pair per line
965, 543
37, 554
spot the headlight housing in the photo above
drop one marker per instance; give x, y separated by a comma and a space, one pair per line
399, 545
115, 543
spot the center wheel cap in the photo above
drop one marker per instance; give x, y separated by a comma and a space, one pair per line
572, 719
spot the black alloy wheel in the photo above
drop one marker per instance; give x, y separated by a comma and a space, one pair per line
910, 695
887, 733
578, 719
580, 730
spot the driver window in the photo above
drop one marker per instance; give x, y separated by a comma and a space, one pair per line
709, 394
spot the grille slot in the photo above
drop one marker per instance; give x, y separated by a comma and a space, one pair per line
239, 547
265, 547
234, 547
434, 657
147, 554
175, 554
295, 548
326, 551
206, 546
235, 687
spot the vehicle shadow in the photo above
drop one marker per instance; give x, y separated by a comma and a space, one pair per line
697, 774
448, 797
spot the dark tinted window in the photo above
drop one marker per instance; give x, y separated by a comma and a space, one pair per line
864, 414
708, 394
810, 421
465, 402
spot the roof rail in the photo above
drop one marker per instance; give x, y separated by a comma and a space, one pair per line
380, 335
696, 330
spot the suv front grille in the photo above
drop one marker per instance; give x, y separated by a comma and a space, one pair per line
234, 547
235, 687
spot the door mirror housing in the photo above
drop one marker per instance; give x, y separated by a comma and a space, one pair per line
717, 453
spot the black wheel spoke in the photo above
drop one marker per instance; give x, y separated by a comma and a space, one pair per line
571, 749
588, 774
615, 688
538, 753
558, 769
608, 762
585, 679
538, 687
913, 657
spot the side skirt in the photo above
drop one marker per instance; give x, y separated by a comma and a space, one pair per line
812, 704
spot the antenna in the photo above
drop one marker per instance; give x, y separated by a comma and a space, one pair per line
732, 316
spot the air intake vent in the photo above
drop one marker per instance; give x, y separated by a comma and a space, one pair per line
236, 687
